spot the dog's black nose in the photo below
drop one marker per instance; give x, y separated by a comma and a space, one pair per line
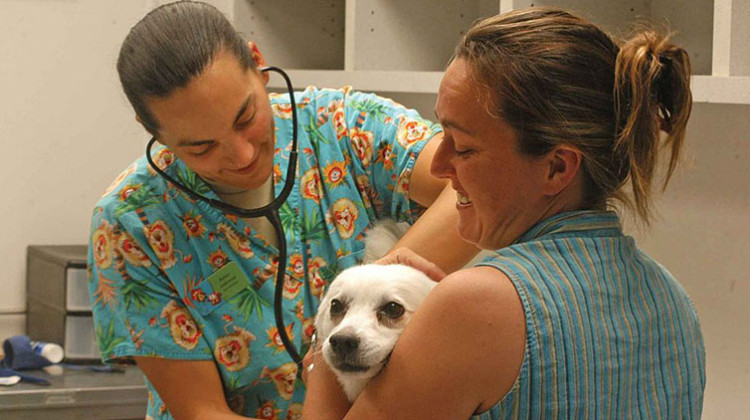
344, 344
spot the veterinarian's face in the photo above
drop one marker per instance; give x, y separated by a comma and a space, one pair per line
495, 184
220, 124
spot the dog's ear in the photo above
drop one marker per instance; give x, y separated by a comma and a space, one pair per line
323, 319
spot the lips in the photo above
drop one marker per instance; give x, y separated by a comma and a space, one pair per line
245, 170
463, 200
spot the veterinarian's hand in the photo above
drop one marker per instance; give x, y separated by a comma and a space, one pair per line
408, 257
325, 399
307, 365
308, 362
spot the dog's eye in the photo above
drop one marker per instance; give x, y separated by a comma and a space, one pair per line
337, 307
392, 310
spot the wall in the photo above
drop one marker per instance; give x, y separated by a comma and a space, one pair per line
703, 237
66, 131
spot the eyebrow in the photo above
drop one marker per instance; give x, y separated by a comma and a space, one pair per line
454, 125
243, 108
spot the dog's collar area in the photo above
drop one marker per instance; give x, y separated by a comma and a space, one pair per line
350, 368
386, 359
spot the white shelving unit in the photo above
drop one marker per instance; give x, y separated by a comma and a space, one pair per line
730, 76
402, 46
721, 89
295, 34
731, 49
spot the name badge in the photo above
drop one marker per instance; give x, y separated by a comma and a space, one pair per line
220, 286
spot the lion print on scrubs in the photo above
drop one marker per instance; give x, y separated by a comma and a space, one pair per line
155, 251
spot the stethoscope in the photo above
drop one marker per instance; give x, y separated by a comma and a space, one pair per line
270, 211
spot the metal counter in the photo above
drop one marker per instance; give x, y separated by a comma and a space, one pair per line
77, 394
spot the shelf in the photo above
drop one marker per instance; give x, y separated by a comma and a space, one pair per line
294, 33
414, 35
419, 35
710, 89
393, 81
403, 46
721, 90
731, 51
692, 22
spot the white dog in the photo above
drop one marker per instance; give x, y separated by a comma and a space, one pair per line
362, 316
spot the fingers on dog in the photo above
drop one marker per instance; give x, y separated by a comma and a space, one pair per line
408, 257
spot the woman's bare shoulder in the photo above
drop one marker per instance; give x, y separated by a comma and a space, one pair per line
476, 320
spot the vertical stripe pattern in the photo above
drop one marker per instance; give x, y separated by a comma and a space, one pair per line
610, 333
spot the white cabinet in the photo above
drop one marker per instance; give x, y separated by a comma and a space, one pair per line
730, 76
731, 46
691, 20
295, 34
404, 45
373, 45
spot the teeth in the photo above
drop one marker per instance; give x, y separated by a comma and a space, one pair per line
462, 199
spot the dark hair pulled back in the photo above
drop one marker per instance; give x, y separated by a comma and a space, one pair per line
169, 47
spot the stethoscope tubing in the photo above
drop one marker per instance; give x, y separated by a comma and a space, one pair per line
270, 211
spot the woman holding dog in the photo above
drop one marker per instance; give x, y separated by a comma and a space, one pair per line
547, 122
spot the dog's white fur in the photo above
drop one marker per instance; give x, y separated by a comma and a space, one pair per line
365, 290
381, 238
357, 341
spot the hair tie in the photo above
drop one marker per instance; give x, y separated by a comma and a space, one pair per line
663, 91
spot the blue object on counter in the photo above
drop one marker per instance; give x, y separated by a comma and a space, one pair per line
24, 378
20, 354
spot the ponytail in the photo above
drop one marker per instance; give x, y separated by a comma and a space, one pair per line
652, 94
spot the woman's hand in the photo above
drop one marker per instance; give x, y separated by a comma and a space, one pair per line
408, 257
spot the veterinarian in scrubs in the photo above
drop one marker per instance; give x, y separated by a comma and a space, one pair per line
568, 318
184, 289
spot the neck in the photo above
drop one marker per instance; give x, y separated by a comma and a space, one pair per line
229, 190
569, 199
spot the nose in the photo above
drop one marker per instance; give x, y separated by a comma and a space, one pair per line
344, 345
441, 165
239, 151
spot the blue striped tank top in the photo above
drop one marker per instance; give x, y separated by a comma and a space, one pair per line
610, 333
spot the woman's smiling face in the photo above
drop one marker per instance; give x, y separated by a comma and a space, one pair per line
220, 124
499, 190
